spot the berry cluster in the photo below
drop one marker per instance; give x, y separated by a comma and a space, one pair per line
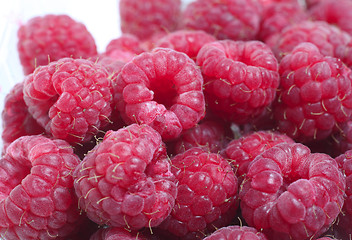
209, 120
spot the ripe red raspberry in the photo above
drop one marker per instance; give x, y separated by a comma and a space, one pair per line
315, 94
148, 17
70, 98
186, 41
115, 233
44, 39
334, 12
16, 120
209, 135
292, 193
207, 189
330, 40
238, 233
240, 78
162, 89
126, 181
37, 200
342, 139
230, 19
278, 15
241, 152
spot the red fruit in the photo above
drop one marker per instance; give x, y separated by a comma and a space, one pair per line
148, 17
44, 39
291, 193
37, 200
338, 13
125, 181
241, 152
207, 192
236, 232
315, 94
342, 139
16, 120
117, 234
162, 89
240, 78
230, 19
70, 98
186, 41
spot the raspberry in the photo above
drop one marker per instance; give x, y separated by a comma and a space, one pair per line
207, 189
146, 18
240, 78
163, 89
116, 234
125, 181
276, 16
315, 94
186, 41
343, 138
236, 232
44, 39
292, 193
230, 19
16, 120
208, 135
37, 200
241, 152
70, 98
330, 40
337, 13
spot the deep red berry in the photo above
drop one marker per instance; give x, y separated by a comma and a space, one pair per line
291, 193
16, 120
240, 78
231, 19
44, 39
37, 200
207, 189
115, 233
236, 232
70, 98
162, 89
149, 17
126, 181
315, 94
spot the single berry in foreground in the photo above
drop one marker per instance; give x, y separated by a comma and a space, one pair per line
236, 232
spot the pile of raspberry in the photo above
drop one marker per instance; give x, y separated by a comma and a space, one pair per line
203, 120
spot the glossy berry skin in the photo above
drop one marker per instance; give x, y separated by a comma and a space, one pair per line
315, 94
207, 191
149, 17
292, 193
236, 232
163, 89
126, 181
37, 199
70, 98
240, 78
230, 19
44, 39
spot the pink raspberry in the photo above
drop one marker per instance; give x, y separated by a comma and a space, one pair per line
37, 199
241, 152
70, 98
207, 189
115, 233
334, 12
209, 135
148, 17
240, 78
162, 89
126, 181
230, 19
291, 193
315, 94
16, 120
238, 233
278, 15
44, 39
330, 40
186, 41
